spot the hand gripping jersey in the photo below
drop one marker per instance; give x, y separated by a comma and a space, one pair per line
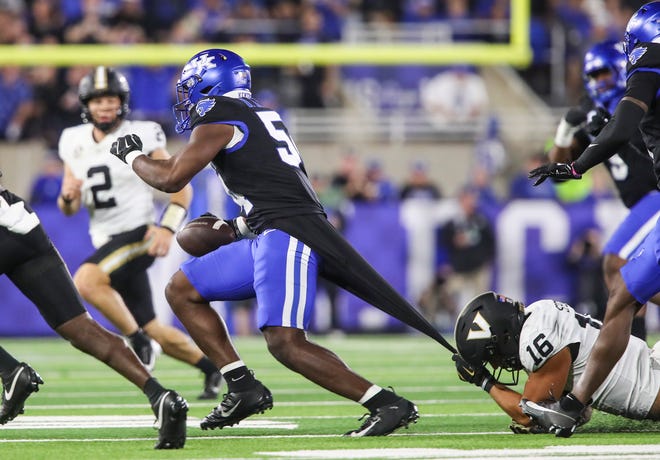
116, 198
261, 168
550, 326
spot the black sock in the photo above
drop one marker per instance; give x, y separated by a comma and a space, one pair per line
239, 379
7, 363
639, 327
206, 366
380, 399
152, 389
139, 339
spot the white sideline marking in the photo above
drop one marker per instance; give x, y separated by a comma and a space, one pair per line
642, 451
121, 421
279, 404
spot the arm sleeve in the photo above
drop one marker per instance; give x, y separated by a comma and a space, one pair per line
615, 134
642, 86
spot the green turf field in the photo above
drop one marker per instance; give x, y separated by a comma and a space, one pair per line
86, 411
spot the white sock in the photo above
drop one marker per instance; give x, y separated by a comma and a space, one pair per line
370, 393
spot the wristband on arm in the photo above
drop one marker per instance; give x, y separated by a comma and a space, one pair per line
173, 217
565, 133
131, 156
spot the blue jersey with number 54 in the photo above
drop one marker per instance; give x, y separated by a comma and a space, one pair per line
550, 326
261, 167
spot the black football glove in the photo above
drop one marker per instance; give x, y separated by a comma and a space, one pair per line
575, 116
598, 121
477, 375
125, 145
555, 170
237, 224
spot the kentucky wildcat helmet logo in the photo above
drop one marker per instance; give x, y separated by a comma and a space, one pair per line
204, 106
636, 54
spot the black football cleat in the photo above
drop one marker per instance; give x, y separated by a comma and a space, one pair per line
386, 419
212, 384
21, 383
144, 349
238, 405
170, 410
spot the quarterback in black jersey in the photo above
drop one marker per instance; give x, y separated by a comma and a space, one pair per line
251, 150
29, 259
631, 167
639, 279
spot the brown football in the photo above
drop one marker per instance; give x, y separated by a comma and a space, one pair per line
204, 234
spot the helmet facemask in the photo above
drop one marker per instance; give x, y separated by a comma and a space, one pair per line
183, 104
106, 126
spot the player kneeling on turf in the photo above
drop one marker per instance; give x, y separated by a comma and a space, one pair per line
551, 342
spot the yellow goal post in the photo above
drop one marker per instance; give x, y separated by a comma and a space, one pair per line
516, 52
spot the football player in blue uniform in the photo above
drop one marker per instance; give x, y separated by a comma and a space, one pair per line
31, 262
639, 279
631, 167
250, 148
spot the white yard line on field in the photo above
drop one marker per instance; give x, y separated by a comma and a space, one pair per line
583, 452
122, 421
278, 403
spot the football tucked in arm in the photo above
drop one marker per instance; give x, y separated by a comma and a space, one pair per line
205, 234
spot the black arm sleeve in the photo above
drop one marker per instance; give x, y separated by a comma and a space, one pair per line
615, 134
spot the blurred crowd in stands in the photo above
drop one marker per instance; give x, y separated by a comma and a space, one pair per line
39, 101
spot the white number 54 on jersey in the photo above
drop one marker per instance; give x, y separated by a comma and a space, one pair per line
289, 154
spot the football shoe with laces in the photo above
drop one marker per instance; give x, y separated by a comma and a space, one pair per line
559, 417
386, 419
146, 352
170, 410
236, 406
21, 383
212, 384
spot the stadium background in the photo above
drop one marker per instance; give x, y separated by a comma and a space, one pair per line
358, 84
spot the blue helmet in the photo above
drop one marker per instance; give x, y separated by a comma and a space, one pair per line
642, 27
213, 72
605, 56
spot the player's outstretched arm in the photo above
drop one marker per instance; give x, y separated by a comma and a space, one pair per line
173, 174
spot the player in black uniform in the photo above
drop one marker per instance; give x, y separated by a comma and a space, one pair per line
631, 167
639, 279
29, 259
250, 148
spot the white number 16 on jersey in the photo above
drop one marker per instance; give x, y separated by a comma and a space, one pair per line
288, 154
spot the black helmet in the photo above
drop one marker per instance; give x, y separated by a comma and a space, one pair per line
103, 81
488, 332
